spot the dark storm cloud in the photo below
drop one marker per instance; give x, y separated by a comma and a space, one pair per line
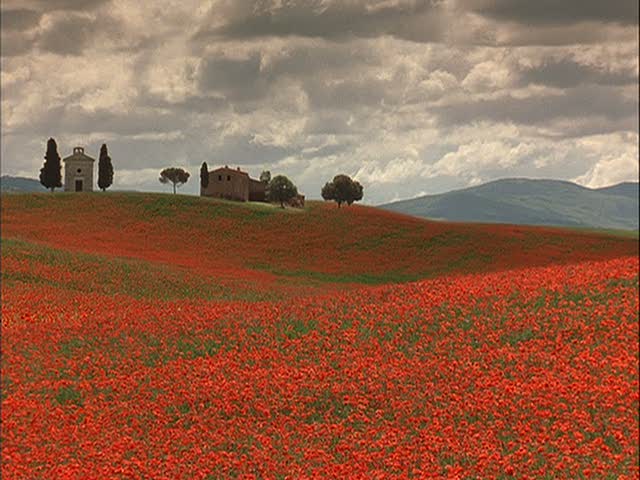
415, 20
568, 73
581, 103
19, 19
557, 12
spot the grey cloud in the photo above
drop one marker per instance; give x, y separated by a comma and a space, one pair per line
554, 12
74, 119
412, 20
229, 73
236, 79
49, 5
19, 19
329, 123
68, 36
323, 58
17, 37
326, 151
348, 93
198, 104
15, 43
585, 102
568, 73
242, 149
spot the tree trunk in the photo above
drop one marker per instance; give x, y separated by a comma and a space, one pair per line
174, 188
52, 189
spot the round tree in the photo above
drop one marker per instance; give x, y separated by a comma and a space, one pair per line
357, 192
105, 169
50, 173
342, 190
328, 192
281, 190
176, 176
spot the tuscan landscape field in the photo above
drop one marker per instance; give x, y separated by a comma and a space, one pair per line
160, 336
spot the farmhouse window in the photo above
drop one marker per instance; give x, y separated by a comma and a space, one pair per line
228, 178
219, 178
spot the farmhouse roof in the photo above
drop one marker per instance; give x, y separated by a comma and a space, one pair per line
78, 154
227, 169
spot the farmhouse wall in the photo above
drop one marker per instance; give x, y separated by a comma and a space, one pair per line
257, 191
227, 183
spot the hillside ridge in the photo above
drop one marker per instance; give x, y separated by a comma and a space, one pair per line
322, 244
533, 202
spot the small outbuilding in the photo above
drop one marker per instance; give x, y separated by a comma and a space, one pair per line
78, 171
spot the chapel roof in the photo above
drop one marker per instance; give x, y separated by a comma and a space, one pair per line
78, 154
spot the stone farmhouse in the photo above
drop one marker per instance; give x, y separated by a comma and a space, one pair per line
233, 184
237, 185
78, 171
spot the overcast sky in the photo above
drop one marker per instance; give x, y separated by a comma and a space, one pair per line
408, 96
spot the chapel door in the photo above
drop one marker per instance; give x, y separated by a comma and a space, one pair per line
78, 185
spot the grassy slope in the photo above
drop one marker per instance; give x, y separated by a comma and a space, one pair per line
252, 246
523, 201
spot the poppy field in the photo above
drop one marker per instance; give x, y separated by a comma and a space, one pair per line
151, 337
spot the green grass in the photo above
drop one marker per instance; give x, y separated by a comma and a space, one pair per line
348, 278
609, 232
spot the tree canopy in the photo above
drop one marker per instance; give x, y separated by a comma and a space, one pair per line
281, 190
342, 189
265, 176
105, 169
176, 176
50, 173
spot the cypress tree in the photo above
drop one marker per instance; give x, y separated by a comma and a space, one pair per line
105, 169
50, 173
204, 175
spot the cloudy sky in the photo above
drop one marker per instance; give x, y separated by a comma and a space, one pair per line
408, 96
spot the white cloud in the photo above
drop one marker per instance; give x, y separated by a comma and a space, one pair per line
616, 160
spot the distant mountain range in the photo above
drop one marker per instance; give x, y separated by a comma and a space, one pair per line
531, 202
10, 184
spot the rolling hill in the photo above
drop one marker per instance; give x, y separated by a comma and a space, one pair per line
532, 202
265, 246
9, 184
